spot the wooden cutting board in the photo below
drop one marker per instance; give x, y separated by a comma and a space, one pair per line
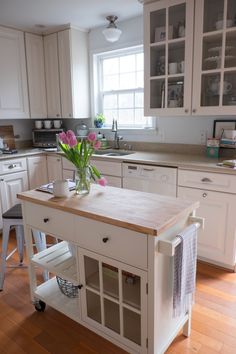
7, 133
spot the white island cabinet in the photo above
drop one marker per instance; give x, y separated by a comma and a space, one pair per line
116, 258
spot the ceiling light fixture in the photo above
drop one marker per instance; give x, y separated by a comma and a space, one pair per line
112, 33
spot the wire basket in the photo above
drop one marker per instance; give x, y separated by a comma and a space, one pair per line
67, 288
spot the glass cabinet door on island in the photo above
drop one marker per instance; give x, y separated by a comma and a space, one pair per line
214, 81
168, 46
114, 299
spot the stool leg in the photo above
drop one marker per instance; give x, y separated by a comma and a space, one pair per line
20, 241
5, 238
40, 243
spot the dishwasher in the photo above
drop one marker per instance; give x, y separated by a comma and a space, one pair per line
151, 179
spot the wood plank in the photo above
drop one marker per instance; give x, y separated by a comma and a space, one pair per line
152, 213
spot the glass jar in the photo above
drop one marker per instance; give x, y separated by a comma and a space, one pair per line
82, 181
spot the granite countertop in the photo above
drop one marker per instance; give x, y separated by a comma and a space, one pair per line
152, 215
183, 161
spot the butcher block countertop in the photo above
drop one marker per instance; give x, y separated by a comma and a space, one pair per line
138, 211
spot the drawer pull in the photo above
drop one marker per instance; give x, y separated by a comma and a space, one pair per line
105, 239
80, 286
205, 179
1, 180
12, 166
204, 195
46, 220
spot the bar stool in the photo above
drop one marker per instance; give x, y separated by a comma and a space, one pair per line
13, 217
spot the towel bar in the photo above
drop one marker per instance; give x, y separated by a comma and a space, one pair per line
168, 247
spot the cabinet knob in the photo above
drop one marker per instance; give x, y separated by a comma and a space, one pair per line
80, 286
70, 114
1, 180
105, 239
186, 110
58, 160
206, 180
194, 110
46, 220
58, 115
204, 195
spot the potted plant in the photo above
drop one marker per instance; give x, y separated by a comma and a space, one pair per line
99, 120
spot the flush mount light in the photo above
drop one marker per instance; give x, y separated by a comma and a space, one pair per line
112, 33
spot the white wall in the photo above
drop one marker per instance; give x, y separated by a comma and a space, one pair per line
189, 130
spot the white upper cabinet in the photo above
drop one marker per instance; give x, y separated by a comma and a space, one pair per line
36, 75
168, 51
214, 81
13, 81
67, 74
52, 76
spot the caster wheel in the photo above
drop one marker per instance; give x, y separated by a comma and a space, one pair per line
40, 306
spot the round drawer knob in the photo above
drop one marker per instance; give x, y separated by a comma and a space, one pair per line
46, 220
194, 110
204, 195
105, 239
80, 286
186, 110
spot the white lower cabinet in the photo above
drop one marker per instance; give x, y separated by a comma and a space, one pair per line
114, 298
54, 168
216, 243
10, 185
37, 171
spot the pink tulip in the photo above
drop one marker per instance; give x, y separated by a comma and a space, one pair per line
63, 138
97, 144
92, 137
102, 181
72, 141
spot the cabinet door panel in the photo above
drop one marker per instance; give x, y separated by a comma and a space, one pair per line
13, 83
52, 76
114, 299
54, 168
217, 241
37, 170
36, 75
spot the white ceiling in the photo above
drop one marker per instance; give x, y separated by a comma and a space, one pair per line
25, 14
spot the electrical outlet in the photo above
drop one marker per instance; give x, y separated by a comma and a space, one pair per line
203, 137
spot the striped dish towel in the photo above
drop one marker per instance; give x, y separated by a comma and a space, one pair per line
185, 270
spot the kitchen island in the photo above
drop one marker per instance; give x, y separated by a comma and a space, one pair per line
117, 247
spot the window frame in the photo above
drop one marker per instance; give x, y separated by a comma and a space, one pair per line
98, 82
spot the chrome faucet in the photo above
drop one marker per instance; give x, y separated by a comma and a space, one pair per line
117, 137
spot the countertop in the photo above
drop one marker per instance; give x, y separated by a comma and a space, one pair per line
153, 214
183, 161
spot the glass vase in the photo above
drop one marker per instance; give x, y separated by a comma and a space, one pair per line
82, 181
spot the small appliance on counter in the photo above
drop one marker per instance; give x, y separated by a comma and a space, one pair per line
45, 138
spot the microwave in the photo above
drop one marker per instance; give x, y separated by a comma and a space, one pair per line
43, 138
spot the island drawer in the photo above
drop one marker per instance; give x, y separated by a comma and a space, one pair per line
13, 165
51, 221
118, 243
206, 180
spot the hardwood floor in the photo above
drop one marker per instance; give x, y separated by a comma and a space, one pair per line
24, 330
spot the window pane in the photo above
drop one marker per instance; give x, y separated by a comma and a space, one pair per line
126, 116
139, 62
127, 81
110, 82
127, 63
110, 114
110, 101
139, 118
139, 100
139, 79
110, 66
126, 100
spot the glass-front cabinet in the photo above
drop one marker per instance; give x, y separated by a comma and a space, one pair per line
114, 299
168, 48
214, 80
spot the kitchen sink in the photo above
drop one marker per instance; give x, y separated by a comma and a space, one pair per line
112, 152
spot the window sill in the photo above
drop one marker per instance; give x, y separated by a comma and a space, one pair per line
128, 131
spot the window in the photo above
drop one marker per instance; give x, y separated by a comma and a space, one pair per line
120, 88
